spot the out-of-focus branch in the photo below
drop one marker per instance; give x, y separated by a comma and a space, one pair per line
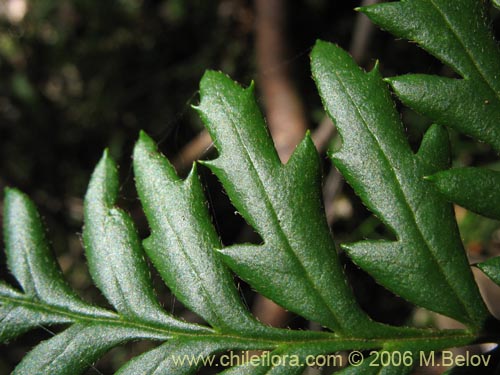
194, 150
322, 135
202, 144
363, 31
284, 110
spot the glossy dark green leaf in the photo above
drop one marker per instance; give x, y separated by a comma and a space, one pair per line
47, 299
456, 32
491, 268
114, 253
183, 241
297, 264
76, 349
29, 257
477, 189
427, 264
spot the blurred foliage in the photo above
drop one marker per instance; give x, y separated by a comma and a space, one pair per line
78, 76
481, 236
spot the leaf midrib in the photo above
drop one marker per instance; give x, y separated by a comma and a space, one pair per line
213, 307
274, 215
401, 192
329, 338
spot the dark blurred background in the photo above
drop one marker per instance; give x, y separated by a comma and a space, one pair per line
77, 76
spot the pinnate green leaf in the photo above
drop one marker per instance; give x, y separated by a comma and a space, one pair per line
33, 265
115, 258
114, 253
457, 33
297, 264
183, 241
477, 189
29, 257
427, 263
